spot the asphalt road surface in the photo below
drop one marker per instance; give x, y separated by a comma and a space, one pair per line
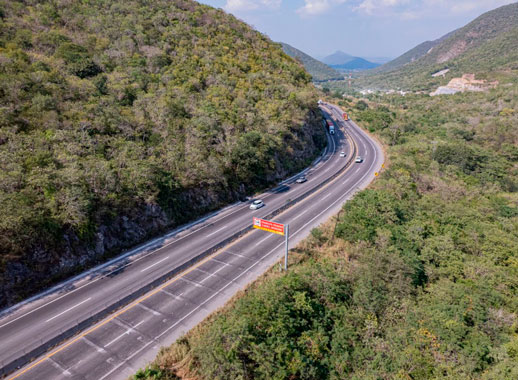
116, 345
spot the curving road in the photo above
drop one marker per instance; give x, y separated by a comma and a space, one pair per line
112, 320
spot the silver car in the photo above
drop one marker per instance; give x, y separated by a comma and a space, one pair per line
359, 160
256, 204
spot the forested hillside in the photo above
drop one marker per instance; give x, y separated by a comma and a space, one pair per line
418, 279
319, 71
486, 44
120, 118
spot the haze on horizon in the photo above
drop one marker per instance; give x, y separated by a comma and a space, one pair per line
366, 28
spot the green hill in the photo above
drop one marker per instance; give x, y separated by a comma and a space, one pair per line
411, 55
485, 45
318, 70
337, 58
122, 118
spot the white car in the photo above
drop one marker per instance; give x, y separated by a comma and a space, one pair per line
342, 154
359, 160
256, 204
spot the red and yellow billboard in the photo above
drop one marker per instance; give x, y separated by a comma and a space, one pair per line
266, 225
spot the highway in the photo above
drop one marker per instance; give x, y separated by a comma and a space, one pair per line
111, 321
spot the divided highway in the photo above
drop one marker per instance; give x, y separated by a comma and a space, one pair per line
110, 322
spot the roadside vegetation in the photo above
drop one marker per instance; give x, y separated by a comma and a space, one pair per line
120, 119
418, 278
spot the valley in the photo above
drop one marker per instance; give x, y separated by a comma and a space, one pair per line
144, 147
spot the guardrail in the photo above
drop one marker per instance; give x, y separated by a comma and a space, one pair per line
96, 317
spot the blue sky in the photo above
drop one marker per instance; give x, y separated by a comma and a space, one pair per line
367, 28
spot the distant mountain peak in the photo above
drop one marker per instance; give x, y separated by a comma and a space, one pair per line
338, 58
318, 70
355, 64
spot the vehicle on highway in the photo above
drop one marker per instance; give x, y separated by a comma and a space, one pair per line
301, 179
359, 160
342, 154
256, 204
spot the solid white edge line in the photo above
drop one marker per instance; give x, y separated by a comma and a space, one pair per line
245, 271
134, 252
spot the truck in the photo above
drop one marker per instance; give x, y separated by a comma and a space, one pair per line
346, 117
331, 127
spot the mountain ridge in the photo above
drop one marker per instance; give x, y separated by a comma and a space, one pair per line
343, 61
485, 45
412, 55
356, 64
337, 58
318, 70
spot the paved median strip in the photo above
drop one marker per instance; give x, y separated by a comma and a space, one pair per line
304, 195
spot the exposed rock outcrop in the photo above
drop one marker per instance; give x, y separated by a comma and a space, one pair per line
45, 265
466, 83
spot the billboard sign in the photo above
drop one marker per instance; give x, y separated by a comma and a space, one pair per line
266, 225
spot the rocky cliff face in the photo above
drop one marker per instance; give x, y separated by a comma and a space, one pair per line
45, 265
125, 118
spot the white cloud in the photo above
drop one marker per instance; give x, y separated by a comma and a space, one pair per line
380, 6
251, 5
412, 9
317, 7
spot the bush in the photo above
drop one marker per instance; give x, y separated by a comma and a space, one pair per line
77, 59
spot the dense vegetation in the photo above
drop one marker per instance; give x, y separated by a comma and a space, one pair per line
319, 71
119, 118
484, 45
418, 280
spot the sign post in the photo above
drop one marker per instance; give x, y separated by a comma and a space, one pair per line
286, 245
276, 228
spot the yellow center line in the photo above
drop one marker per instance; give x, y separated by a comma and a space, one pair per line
112, 317
166, 284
